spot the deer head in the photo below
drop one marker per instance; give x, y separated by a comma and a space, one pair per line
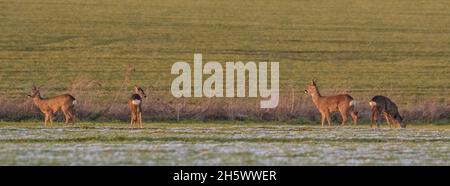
34, 92
139, 91
312, 88
399, 120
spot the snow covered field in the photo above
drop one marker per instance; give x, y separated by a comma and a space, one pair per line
222, 144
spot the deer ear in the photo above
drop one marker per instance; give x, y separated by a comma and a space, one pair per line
313, 82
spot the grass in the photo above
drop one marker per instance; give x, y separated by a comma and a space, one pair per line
229, 143
396, 48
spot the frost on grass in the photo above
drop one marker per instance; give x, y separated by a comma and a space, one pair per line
224, 145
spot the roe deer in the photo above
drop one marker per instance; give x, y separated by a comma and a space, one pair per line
382, 104
326, 104
134, 103
49, 106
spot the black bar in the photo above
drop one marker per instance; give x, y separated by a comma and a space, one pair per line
284, 175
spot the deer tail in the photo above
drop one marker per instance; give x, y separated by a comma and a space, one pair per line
74, 101
136, 102
352, 103
372, 103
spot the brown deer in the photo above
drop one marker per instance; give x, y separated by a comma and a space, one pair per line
342, 103
382, 104
49, 106
135, 103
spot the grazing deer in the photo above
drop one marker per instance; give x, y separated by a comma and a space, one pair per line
342, 103
382, 104
135, 103
49, 106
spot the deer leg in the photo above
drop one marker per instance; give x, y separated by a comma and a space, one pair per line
72, 116
140, 116
327, 114
323, 119
51, 119
140, 119
137, 121
66, 119
386, 115
66, 115
73, 112
372, 118
376, 121
392, 121
71, 119
133, 119
354, 116
46, 120
344, 118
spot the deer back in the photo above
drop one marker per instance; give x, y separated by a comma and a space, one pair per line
335, 103
135, 102
55, 103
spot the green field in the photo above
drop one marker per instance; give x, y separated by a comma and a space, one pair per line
399, 48
222, 144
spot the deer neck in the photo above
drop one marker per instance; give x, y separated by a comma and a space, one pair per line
38, 100
316, 97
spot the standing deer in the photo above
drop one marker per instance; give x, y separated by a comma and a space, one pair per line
135, 103
382, 104
49, 106
342, 103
